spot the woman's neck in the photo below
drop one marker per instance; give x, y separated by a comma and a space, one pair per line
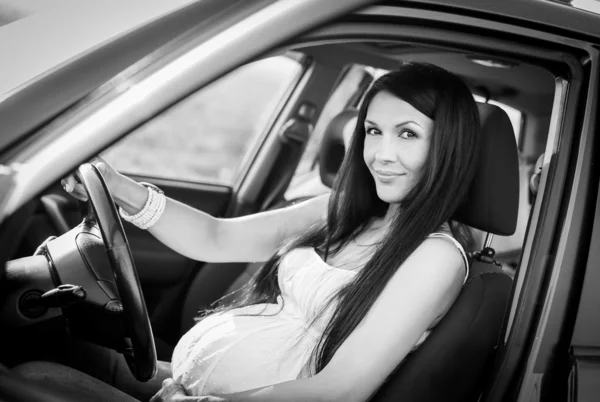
384, 223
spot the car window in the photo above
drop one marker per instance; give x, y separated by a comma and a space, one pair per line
347, 94
204, 137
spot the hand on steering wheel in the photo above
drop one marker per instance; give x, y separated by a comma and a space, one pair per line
72, 186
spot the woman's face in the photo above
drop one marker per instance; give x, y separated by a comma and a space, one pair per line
397, 138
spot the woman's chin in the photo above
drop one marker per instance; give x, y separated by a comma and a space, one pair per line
390, 197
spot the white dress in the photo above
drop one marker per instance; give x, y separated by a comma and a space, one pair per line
264, 344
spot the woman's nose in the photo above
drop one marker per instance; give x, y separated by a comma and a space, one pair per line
385, 149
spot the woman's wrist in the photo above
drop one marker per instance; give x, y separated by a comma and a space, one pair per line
128, 194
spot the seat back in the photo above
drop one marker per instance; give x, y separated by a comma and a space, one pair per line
453, 363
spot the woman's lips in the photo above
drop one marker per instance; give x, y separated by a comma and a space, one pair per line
386, 176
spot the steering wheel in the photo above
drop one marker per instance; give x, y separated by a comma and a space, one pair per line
141, 358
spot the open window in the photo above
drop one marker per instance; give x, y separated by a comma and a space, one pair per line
204, 137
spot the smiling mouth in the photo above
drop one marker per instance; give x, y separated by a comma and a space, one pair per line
388, 174
387, 177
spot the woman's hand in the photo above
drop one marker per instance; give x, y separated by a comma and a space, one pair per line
76, 189
170, 391
173, 392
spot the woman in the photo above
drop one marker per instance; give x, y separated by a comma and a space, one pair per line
355, 280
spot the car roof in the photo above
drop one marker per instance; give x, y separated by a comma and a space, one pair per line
578, 19
50, 37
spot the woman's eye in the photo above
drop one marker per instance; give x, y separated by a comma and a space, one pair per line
408, 134
372, 131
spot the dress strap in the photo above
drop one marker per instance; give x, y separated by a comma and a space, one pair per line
458, 246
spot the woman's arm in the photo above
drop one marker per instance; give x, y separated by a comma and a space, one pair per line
421, 291
199, 236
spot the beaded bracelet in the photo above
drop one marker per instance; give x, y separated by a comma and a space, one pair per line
152, 210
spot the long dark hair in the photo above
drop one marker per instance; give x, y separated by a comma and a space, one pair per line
353, 203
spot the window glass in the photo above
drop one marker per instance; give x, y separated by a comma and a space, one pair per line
204, 137
306, 180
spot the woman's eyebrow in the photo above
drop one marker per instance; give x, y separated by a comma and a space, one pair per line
397, 125
408, 121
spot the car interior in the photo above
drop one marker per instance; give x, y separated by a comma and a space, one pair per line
515, 100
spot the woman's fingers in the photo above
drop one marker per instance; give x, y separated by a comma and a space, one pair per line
74, 188
81, 195
170, 391
107, 171
70, 184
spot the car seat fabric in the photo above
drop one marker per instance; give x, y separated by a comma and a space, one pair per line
452, 364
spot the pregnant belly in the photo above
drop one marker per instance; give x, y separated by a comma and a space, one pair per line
236, 351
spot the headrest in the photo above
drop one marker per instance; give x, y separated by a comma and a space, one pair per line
333, 149
492, 203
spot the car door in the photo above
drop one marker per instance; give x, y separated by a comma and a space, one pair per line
584, 366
